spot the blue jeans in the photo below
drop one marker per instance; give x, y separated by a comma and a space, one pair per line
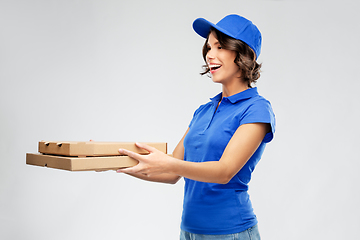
249, 234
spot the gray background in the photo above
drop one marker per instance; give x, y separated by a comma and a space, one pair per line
129, 71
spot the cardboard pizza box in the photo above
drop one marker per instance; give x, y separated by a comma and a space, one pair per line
80, 163
72, 148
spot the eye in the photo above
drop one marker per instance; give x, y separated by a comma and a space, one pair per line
220, 47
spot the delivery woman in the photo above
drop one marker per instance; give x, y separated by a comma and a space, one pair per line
224, 141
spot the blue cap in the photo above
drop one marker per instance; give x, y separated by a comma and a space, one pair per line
234, 26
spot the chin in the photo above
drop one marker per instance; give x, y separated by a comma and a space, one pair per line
216, 80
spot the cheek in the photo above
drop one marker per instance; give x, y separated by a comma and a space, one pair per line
235, 66
235, 69
229, 57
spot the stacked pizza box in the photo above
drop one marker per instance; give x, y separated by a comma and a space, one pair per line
86, 156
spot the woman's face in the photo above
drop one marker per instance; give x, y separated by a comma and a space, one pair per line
221, 62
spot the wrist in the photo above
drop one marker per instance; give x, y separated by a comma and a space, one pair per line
172, 165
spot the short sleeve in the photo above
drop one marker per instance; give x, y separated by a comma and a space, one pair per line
195, 115
260, 111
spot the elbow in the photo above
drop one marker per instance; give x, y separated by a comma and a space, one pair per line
224, 179
172, 183
223, 174
173, 180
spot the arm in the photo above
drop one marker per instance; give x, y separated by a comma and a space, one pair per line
240, 148
178, 153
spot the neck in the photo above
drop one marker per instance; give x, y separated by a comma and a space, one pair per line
233, 88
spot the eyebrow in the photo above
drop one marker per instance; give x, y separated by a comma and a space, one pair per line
216, 43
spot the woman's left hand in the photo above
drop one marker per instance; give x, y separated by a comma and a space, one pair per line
151, 164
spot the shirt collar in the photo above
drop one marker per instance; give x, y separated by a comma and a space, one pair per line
248, 93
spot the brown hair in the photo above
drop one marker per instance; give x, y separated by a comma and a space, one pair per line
245, 58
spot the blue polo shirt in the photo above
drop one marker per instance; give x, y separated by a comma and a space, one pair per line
211, 208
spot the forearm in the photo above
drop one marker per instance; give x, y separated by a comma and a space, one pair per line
161, 178
212, 171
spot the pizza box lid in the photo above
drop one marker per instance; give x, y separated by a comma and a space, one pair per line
93, 148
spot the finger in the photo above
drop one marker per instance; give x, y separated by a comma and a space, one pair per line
131, 154
146, 147
136, 169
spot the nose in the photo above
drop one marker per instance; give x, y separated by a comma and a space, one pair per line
209, 55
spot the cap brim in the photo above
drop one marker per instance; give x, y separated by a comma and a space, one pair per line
202, 27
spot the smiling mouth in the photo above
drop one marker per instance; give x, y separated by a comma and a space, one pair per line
214, 67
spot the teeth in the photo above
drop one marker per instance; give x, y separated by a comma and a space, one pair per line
212, 66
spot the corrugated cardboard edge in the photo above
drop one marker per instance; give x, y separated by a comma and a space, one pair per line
80, 163
72, 148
